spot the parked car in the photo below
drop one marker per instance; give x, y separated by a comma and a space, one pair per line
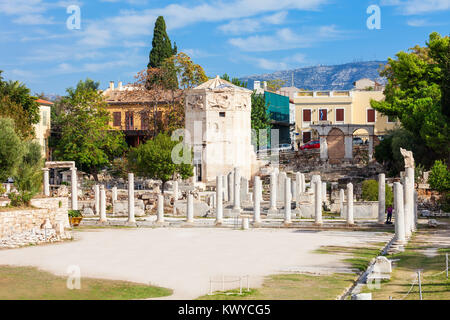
314, 144
358, 141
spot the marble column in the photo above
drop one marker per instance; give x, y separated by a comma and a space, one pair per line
175, 190
324, 192
407, 200
225, 187
294, 190
381, 197
341, 202
281, 190
231, 187
350, 219
245, 223
303, 183
114, 194
237, 189
348, 143
102, 204
287, 201
370, 147
257, 187
410, 174
317, 185
46, 182
219, 200
415, 211
131, 218
399, 213
97, 199
74, 182
190, 208
160, 216
298, 182
273, 193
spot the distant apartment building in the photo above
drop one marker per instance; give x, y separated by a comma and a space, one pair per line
134, 115
42, 129
340, 107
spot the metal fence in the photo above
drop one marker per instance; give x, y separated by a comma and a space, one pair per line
226, 283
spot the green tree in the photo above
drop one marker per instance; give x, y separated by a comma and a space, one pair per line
161, 45
11, 149
417, 93
370, 192
28, 176
439, 178
153, 159
275, 84
86, 136
16, 102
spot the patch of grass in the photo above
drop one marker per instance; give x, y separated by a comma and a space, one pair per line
29, 283
291, 287
360, 257
435, 285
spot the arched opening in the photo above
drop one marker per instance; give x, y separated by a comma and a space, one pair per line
336, 146
360, 145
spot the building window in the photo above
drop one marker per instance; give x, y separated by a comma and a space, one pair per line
339, 115
129, 118
323, 115
306, 136
117, 119
144, 121
222, 114
392, 119
45, 118
306, 115
370, 115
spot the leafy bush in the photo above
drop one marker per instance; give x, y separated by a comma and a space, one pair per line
11, 149
20, 199
445, 202
74, 213
439, 178
370, 192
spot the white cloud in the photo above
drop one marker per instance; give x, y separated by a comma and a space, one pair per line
285, 39
415, 7
288, 62
196, 53
253, 25
33, 19
417, 22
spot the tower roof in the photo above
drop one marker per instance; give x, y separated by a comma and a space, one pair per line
219, 84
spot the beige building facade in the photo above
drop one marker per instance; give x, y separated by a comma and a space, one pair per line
42, 129
338, 107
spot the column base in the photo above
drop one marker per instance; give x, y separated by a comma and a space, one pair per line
218, 223
256, 224
318, 224
287, 223
131, 223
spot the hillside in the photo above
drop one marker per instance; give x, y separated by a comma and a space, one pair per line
336, 77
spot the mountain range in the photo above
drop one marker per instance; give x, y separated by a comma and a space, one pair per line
334, 77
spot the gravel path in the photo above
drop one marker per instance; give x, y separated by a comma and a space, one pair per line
184, 259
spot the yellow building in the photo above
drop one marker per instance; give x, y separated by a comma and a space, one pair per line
135, 115
42, 129
338, 107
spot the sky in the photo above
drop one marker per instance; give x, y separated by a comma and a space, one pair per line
44, 44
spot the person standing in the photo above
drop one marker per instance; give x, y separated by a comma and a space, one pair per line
389, 214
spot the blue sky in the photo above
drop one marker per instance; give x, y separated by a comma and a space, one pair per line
237, 37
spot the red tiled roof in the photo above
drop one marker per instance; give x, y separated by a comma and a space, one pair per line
41, 101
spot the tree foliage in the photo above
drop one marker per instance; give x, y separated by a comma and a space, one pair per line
439, 178
86, 137
417, 93
161, 45
16, 102
275, 84
11, 149
153, 159
370, 192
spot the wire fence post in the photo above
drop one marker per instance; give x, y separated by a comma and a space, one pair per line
446, 264
248, 284
420, 285
240, 285
210, 287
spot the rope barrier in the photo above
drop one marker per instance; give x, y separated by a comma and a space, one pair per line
412, 286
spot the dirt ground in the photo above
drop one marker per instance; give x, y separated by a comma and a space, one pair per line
184, 259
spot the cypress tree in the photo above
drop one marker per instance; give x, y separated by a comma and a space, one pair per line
161, 45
